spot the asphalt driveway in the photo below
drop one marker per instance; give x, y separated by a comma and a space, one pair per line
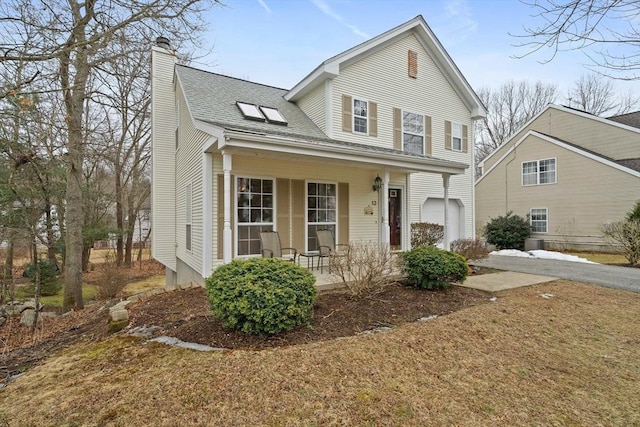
625, 278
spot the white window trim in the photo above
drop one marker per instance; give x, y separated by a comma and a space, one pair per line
306, 209
235, 210
353, 115
555, 163
453, 137
188, 216
546, 221
402, 112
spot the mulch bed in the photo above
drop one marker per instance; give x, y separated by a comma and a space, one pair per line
186, 315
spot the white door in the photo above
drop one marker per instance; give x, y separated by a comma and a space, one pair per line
433, 211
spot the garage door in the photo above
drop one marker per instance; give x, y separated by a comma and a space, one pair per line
433, 211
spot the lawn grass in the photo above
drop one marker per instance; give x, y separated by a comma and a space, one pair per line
88, 294
571, 359
601, 257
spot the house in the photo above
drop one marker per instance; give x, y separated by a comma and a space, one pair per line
570, 171
373, 139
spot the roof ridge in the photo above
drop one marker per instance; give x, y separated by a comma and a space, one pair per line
230, 77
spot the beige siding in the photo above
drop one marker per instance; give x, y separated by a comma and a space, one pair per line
163, 233
313, 105
189, 169
607, 139
382, 77
586, 195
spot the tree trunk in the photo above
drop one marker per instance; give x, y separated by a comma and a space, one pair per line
86, 255
119, 214
51, 239
73, 238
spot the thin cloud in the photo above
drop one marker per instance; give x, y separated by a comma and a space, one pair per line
460, 13
264, 6
326, 9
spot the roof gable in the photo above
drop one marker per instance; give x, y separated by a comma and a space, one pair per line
616, 123
332, 66
569, 146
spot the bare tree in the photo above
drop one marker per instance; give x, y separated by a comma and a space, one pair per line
72, 40
596, 95
606, 31
509, 108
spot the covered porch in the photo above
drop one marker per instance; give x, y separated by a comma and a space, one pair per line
261, 182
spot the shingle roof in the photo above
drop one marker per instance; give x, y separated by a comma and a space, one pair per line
629, 119
212, 98
630, 163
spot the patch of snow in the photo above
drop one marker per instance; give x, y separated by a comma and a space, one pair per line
541, 254
172, 341
547, 296
493, 299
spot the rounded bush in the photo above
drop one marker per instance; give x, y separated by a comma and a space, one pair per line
431, 268
508, 232
262, 296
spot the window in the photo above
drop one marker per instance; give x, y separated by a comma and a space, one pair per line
456, 135
360, 109
255, 212
538, 172
187, 209
413, 132
250, 111
273, 115
321, 211
538, 220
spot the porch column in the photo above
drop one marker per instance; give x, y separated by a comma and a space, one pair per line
445, 183
385, 210
226, 228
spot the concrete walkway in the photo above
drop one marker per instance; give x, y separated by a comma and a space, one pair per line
503, 280
625, 278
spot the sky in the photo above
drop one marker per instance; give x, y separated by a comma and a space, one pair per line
279, 42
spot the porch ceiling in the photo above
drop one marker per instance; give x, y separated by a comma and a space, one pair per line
340, 153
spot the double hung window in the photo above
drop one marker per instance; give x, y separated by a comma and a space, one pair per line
360, 117
538, 219
255, 212
413, 132
321, 211
538, 172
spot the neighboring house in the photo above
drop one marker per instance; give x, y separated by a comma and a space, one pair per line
570, 171
233, 157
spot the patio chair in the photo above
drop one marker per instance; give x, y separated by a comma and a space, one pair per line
270, 247
328, 247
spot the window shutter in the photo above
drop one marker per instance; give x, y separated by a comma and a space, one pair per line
283, 222
465, 139
397, 129
373, 119
447, 135
413, 64
343, 212
427, 136
297, 187
347, 116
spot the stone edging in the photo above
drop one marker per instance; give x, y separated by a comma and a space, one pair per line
118, 314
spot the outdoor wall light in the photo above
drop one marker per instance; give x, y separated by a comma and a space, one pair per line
377, 183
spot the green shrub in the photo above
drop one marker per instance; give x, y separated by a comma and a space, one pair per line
262, 296
426, 234
508, 232
634, 214
49, 283
470, 248
432, 268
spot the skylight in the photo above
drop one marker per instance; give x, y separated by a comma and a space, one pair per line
250, 111
273, 115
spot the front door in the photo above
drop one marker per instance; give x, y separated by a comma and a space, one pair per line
395, 218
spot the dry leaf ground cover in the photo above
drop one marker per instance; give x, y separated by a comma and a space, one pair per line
573, 359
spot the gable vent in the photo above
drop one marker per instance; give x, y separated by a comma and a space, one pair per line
413, 64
